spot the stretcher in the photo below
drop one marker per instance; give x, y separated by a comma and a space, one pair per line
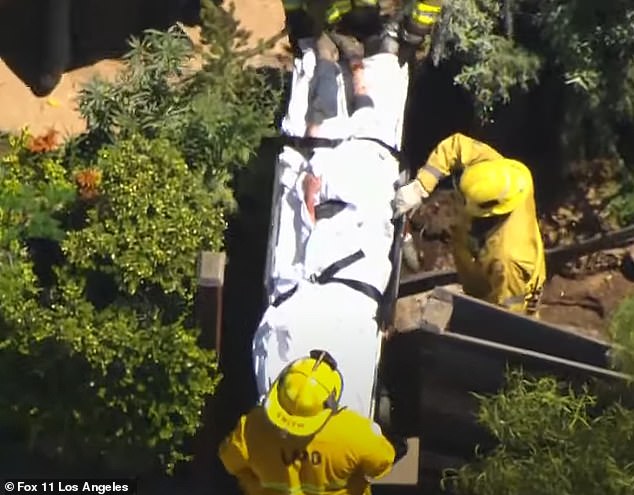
344, 307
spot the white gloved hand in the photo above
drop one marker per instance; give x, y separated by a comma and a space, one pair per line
408, 197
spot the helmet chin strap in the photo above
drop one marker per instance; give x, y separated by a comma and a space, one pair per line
331, 402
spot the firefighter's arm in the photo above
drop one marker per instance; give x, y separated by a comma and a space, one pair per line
452, 154
377, 455
234, 454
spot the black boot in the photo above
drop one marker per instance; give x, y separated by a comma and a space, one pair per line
385, 41
300, 24
362, 22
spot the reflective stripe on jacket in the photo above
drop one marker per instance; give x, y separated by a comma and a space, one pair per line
426, 12
338, 8
508, 268
336, 461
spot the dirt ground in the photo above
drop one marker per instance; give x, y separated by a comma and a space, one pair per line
585, 301
19, 107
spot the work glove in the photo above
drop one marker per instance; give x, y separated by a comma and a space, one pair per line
409, 197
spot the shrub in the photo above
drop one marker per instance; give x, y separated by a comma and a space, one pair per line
588, 49
621, 205
622, 333
216, 116
150, 218
99, 239
491, 63
551, 442
103, 372
556, 440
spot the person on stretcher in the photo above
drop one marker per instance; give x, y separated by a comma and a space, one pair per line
346, 223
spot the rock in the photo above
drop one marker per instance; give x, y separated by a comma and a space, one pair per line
409, 311
410, 254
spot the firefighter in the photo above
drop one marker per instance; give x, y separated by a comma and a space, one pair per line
419, 17
419, 20
307, 18
497, 244
299, 439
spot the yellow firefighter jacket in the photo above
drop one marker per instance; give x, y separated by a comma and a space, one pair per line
336, 461
506, 266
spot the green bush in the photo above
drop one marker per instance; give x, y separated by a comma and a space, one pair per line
621, 206
152, 215
553, 440
4, 143
99, 239
491, 63
105, 371
216, 116
622, 333
588, 48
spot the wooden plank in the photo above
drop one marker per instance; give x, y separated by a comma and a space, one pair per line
211, 269
430, 378
424, 281
599, 242
538, 361
479, 319
211, 277
209, 299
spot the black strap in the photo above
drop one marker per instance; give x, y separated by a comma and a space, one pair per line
328, 275
393, 151
283, 297
337, 266
367, 289
304, 142
328, 209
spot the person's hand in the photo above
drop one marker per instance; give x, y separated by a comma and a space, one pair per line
409, 197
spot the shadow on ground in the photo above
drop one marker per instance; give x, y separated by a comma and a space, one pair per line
42, 39
246, 245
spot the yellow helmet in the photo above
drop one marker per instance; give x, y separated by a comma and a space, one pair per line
495, 187
305, 395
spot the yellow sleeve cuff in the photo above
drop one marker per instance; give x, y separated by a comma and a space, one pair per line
428, 177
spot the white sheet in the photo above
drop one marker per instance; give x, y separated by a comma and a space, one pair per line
331, 317
362, 173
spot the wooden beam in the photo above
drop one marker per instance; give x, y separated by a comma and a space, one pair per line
211, 278
473, 317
